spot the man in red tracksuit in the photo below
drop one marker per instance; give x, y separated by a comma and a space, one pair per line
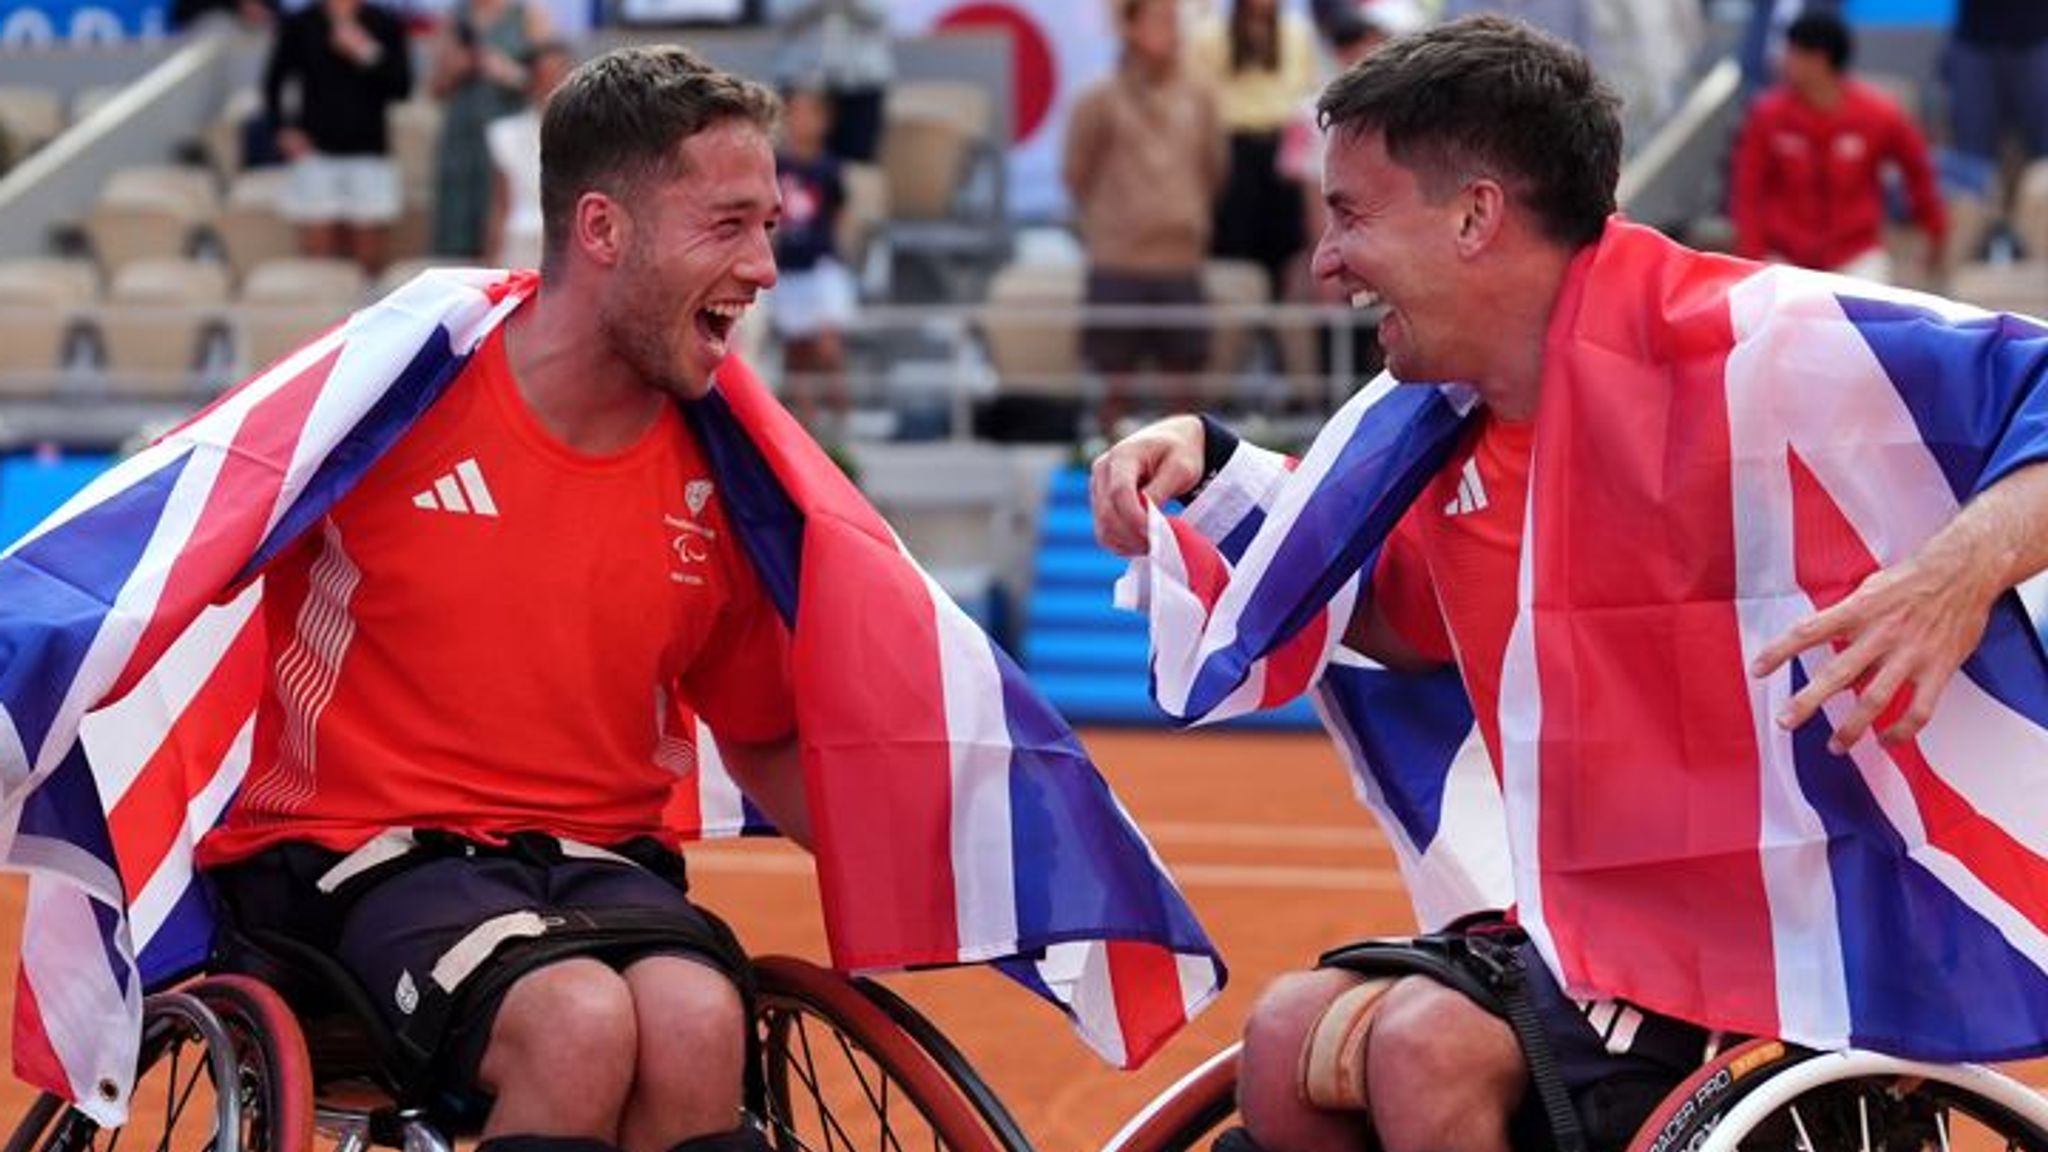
1809, 170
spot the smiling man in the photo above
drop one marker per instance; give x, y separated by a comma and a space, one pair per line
1665, 508
485, 657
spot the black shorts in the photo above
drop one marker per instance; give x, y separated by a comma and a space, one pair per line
469, 913
1119, 348
1616, 1061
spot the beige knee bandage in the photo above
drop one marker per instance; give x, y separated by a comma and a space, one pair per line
1333, 1058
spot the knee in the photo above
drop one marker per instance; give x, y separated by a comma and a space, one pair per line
682, 999
1441, 1072
577, 1014
1269, 1079
1285, 1012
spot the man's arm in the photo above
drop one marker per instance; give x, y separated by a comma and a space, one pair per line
772, 774
1907, 628
1167, 459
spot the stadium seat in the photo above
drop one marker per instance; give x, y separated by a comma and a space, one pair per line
155, 324
30, 117
249, 228
150, 213
333, 283
399, 273
41, 301
924, 161
286, 302
966, 104
1031, 325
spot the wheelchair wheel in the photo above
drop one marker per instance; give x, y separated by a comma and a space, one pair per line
1767, 1095
842, 1075
223, 1069
1189, 1114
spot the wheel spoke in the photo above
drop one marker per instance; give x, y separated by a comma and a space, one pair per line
1805, 1138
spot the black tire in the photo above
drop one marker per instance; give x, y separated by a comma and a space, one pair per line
217, 1030
842, 1075
1765, 1096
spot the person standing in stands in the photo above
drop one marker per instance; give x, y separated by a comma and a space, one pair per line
478, 76
814, 293
1997, 73
1144, 161
1262, 62
1809, 180
347, 63
512, 239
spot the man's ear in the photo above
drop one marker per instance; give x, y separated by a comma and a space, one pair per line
1484, 204
603, 228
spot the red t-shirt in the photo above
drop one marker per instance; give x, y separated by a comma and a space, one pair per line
495, 633
1446, 580
1808, 183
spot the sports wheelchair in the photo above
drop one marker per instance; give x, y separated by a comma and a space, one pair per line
228, 1064
1758, 1095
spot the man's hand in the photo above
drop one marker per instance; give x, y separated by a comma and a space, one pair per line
1903, 633
1905, 630
1156, 463
293, 143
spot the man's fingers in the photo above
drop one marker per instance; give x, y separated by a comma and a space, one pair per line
1871, 702
1841, 673
1811, 632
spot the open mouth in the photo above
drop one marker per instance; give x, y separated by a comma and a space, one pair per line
717, 321
1365, 298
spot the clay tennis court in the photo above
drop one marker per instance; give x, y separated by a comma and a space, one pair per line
1263, 835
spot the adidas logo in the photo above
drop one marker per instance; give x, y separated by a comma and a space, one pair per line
461, 490
1471, 491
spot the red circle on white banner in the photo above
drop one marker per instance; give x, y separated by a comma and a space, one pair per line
1032, 68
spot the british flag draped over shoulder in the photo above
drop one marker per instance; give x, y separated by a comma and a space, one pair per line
1721, 449
956, 817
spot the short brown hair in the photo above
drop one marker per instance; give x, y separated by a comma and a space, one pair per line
1487, 96
617, 119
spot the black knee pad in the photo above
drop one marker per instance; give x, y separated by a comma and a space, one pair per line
744, 1138
523, 1142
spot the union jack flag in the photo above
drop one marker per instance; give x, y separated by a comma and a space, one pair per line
957, 817
1721, 450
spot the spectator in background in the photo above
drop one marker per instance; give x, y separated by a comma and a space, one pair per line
1262, 63
813, 301
346, 64
1808, 184
1144, 162
847, 45
1997, 72
1352, 34
478, 76
512, 236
